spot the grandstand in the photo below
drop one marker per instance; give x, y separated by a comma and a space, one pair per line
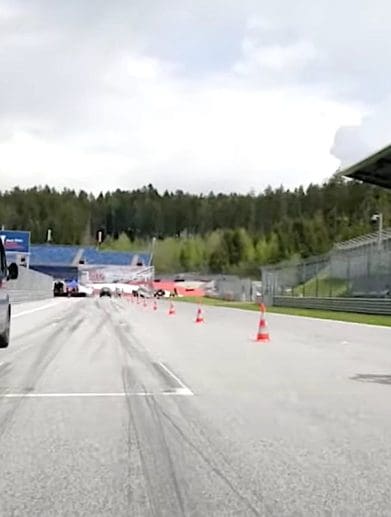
366, 241
44, 255
63, 261
114, 258
48, 254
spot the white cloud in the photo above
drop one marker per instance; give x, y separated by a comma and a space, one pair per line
192, 137
44, 162
145, 68
8, 12
258, 59
355, 142
229, 99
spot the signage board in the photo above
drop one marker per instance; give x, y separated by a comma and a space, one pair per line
15, 241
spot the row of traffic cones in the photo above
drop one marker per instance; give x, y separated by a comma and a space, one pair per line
144, 302
199, 315
171, 309
262, 334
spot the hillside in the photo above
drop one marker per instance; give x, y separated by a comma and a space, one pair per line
218, 232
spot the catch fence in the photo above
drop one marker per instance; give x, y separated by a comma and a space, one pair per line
357, 268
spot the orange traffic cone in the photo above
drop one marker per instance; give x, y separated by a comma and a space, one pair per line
263, 334
171, 310
199, 317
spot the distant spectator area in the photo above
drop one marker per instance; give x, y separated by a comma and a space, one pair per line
53, 255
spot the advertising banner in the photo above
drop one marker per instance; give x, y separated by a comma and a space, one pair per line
15, 241
115, 274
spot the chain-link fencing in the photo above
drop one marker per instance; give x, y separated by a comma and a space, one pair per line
357, 268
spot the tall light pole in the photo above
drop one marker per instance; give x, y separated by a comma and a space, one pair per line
379, 219
153, 244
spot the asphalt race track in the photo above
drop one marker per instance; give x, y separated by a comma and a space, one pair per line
110, 408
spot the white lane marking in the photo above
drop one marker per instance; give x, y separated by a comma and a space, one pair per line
31, 311
179, 391
183, 390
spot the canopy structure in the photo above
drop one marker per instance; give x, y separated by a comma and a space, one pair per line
376, 169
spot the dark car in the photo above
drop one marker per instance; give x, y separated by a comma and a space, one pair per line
159, 293
59, 288
105, 291
10, 273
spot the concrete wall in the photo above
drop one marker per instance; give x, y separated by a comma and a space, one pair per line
234, 288
29, 286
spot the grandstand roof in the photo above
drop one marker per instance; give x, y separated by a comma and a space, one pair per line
376, 169
363, 240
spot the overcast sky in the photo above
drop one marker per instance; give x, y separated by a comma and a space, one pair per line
229, 95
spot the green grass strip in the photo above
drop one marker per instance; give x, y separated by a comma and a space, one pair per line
351, 317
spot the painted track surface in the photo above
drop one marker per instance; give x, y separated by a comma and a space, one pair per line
96, 416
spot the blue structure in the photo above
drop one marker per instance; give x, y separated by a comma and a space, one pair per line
114, 258
15, 241
51, 255
144, 258
66, 273
61, 262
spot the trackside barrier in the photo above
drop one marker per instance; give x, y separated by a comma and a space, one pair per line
359, 305
30, 286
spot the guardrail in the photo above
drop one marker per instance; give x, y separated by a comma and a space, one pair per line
359, 305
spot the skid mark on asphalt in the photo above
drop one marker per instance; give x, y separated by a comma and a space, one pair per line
215, 463
154, 436
38, 329
376, 378
47, 350
138, 467
138, 367
164, 449
31, 395
150, 457
161, 433
96, 349
46, 330
36, 309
